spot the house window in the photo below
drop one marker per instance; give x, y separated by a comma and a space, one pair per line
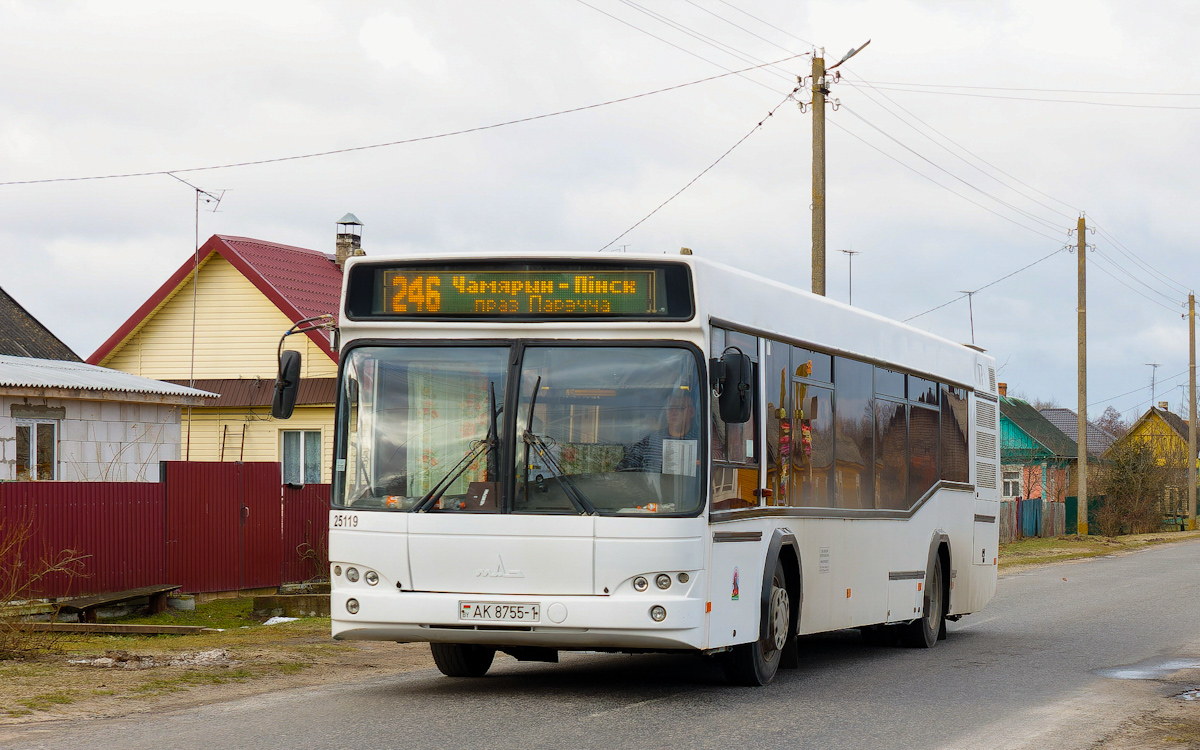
1012, 484
37, 450
301, 456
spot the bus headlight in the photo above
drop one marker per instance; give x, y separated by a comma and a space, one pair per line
352, 575
658, 613
371, 577
352, 607
663, 581
640, 583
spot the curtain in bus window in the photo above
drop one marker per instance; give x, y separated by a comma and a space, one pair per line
891, 454
955, 466
922, 452
780, 423
812, 446
854, 446
447, 413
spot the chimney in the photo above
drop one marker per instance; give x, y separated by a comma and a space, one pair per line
349, 238
1003, 388
1163, 405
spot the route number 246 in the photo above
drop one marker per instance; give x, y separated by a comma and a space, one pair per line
419, 291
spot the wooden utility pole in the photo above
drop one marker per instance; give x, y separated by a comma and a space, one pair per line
818, 175
1192, 411
1082, 465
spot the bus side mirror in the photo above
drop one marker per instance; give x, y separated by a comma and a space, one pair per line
732, 378
287, 385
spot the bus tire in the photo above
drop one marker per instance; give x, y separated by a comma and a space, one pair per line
755, 664
924, 631
462, 659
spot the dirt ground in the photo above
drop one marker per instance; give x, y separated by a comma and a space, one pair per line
136, 674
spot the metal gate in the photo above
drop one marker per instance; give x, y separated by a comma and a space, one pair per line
224, 525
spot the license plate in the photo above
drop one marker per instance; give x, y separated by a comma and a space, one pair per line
499, 611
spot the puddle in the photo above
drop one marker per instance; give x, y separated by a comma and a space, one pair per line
1189, 695
1151, 669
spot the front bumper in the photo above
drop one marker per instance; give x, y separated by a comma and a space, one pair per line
586, 622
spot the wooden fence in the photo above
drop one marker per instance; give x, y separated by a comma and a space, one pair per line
1020, 519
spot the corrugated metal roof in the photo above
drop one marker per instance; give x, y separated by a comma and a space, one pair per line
1098, 439
1030, 421
243, 392
22, 335
26, 372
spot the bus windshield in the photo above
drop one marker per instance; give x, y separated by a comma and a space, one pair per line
596, 429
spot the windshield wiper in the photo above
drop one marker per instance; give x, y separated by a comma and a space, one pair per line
530, 438
489, 443
577, 498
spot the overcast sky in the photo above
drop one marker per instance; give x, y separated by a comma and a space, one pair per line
97, 88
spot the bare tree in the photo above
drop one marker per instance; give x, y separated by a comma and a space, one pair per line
1110, 421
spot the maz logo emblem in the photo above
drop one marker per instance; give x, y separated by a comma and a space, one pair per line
499, 571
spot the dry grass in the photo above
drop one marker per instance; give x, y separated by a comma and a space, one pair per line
1074, 547
41, 686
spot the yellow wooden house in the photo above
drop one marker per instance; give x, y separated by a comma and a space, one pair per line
1165, 432
216, 324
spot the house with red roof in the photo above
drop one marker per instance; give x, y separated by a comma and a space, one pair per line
215, 325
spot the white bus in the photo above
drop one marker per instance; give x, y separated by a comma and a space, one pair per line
647, 453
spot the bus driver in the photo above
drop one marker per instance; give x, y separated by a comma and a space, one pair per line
672, 449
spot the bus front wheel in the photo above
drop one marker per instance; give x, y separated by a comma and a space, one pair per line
462, 659
755, 664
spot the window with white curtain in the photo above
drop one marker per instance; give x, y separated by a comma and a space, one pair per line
301, 456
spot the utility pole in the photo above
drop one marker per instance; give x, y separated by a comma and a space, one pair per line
818, 175
1192, 411
971, 310
1153, 382
820, 89
850, 286
1081, 427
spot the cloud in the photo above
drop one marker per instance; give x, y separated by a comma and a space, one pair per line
394, 42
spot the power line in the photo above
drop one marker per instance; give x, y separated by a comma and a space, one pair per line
685, 50
704, 171
1123, 270
935, 182
773, 26
736, 26
1135, 390
1047, 91
1127, 105
989, 284
398, 142
1130, 288
1144, 264
719, 46
967, 150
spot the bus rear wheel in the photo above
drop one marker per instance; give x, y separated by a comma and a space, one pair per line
755, 664
462, 659
923, 632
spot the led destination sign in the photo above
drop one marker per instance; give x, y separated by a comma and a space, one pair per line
533, 290
417, 292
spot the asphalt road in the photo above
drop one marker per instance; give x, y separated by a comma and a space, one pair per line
1026, 672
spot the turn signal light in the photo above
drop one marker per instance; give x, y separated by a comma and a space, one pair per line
352, 575
371, 577
663, 581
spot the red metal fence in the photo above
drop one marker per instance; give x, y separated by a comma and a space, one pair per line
305, 532
208, 526
117, 526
